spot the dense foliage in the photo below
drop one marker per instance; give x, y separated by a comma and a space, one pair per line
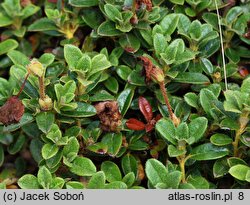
124, 94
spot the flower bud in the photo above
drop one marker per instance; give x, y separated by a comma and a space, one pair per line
157, 75
36, 68
46, 103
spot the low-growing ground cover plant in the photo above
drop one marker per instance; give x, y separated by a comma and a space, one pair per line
124, 94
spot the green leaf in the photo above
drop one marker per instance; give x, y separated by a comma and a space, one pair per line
5, 20
129, 179
174, 49
197, 128
83, 166
240, 172
207, 66
234, 101
181, 132
54, 134
124, 100
84, 64
156, 172
169, 23
220, 168
92, 17
195, 30
198, 182
71, 147
166, 129
173, 180
49, 150
135, 78
232, 15
112, 84
174, 152
83, 3
46, 59
123, 71
72, 55
232, 161
74, 185
107, 28
180, 2
35, 149
114, 143
116, 185
17, 145
44, 121
82, 110
57, 183
29, 10
44, 177
99, 63
129, 164
208, 151
99, 148
160, 43
97, 181
7, 45
192, 78
207, 100
28, 181
113, 13
130, 42
112, 171
245, 87
191, 99
220, 139
43, 24
18, 58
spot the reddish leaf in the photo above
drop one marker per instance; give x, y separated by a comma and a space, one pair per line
12, 111
145, 108
158, 117
134, 124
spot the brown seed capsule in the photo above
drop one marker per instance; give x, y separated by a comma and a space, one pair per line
12, 111
110, 117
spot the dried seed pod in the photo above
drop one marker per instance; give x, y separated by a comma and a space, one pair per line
110, 117
12, 111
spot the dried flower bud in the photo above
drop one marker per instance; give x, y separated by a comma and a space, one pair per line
36, 68
12, 111
148, 67
46, 103
109, 115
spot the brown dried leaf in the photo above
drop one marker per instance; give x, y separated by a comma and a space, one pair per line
12, 111
110, 117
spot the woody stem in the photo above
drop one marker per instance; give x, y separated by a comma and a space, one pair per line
41, 88
164, 93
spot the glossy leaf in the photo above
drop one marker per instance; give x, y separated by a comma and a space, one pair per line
208, 151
